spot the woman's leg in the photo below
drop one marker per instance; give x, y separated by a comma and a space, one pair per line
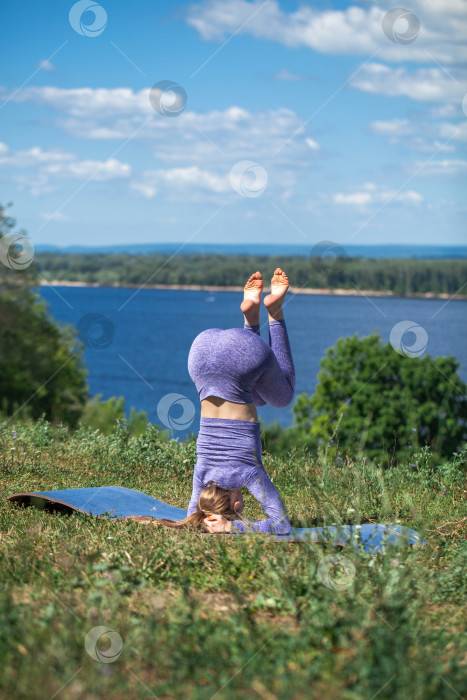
250, 307
276, 386
257, 400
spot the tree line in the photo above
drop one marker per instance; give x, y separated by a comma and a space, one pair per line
402, 277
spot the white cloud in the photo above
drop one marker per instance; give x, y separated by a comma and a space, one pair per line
392, 128
447, 111
36, 184
32, 157
194, 176
312, 144
458, 132
355, 30
89, 102
148, 191
423, 85
196, 183
97, 170
371, 193
181, 179
420, 135
358, 198
38, 170
197, 149
442, 167
46, 65
410, 196
57, 216
191, 138
440, 42
287, 76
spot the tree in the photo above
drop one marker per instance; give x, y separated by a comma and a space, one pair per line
105, 415
370, 398
41, 366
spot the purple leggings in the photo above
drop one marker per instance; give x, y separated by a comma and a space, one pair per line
238, 366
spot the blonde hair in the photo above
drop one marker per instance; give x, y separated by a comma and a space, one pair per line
213, 500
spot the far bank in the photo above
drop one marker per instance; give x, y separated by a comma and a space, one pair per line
292, 290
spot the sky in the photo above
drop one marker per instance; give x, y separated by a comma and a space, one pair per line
235, 121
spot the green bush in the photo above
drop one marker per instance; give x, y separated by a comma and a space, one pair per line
103, 416
371, 399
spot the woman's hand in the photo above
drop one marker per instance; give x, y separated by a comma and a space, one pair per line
217, 523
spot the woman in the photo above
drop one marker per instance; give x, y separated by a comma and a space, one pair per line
234, 371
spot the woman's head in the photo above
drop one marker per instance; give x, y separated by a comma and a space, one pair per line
213, 500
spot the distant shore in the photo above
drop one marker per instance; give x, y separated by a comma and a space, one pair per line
292, 290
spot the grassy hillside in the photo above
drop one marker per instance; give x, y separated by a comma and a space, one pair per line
209, 616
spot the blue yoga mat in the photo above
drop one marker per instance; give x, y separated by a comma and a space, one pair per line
118, 502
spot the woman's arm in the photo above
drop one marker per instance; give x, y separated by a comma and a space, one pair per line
257, 400
261, 487
197, 488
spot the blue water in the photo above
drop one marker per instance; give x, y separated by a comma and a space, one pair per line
148, 334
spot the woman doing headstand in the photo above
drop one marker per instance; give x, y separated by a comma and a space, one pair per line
234, 371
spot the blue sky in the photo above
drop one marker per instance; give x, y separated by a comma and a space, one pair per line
302, 122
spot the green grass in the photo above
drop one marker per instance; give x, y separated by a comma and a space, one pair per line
203, 616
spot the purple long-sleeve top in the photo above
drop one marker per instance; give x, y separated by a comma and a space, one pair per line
229, 453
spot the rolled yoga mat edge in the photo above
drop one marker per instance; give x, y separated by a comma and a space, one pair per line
116, 501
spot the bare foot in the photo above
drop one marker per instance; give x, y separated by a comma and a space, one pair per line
251, 303
279, 287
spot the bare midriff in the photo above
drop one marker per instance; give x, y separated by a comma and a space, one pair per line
214, 407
